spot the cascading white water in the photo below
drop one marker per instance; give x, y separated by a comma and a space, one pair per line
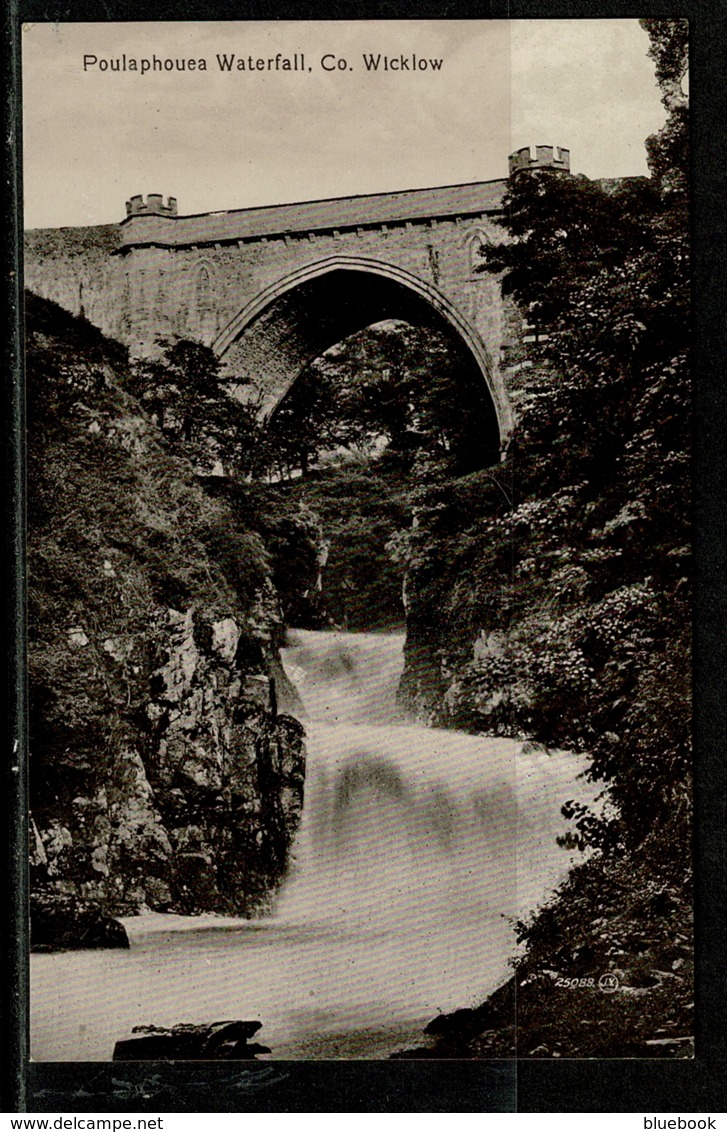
411, 809
417, 851
428, 843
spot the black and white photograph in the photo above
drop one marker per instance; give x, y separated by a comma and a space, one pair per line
359, 537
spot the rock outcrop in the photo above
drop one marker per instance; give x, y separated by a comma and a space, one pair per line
64, 922
162, 776
220, 1041
607, 972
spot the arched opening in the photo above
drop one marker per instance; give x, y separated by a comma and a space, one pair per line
204, 302
478, 242
203, 290
267, 346
342, 523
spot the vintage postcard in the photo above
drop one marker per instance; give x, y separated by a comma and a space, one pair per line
358, 541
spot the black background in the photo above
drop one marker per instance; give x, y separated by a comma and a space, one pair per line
657, 1086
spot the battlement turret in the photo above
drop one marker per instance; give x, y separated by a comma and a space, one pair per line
153, 205
546, 157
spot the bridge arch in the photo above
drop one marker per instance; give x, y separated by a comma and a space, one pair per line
296, 318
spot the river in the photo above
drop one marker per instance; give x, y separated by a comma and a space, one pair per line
417, 851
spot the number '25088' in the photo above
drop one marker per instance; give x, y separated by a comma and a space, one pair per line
607, 982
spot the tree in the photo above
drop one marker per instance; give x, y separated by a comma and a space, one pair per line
184, 394
395, 388
586, 568
307, 422
668, 151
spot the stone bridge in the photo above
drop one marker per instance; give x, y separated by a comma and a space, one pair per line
271, 288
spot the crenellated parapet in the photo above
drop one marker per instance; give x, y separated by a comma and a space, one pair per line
308, 220
546, 157
153, 205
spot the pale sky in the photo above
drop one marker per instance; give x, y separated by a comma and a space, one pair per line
233, 140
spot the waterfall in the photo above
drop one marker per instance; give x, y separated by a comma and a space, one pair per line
418, 850
429, 843
403, 819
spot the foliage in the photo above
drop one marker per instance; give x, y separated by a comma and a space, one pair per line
397, 388
408, 392
560, 608
607, 972
132, 569
360, 509
330, 538
668, 151
184, 395
101, 485
669, 46
307, 422
325, 483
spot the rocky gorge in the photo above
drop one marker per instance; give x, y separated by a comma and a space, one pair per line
547, 607
162, 776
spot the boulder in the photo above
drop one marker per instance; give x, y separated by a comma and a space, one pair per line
60, 922
218, 1041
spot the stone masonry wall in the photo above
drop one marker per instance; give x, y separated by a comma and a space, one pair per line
156, 277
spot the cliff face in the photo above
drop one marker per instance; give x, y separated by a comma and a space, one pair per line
161, 774
76, 268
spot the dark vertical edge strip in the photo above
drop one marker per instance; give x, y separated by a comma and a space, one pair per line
708, 105
14, 984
